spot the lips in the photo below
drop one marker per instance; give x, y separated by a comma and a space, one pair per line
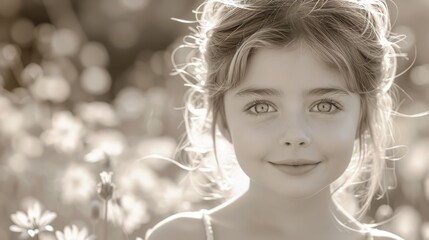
296, 167
296, 162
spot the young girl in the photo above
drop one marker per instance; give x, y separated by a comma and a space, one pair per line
301, 89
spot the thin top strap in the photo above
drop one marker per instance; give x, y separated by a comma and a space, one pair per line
207, 224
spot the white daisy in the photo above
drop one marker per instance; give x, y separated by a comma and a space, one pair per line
32, 223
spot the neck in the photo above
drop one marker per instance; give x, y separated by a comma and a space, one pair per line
314, 215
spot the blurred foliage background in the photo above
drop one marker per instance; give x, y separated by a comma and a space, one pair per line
86, 87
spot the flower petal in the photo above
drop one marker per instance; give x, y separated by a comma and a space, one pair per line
34, 212
31, 232
47, 218
82, 234
49, 228
60, 235
15, 228
21, 219
67, 231
75, 230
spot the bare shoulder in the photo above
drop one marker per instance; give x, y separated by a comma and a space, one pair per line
181, 226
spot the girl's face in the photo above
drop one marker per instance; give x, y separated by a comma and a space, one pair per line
292, 121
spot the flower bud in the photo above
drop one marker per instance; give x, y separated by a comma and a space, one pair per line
106, 187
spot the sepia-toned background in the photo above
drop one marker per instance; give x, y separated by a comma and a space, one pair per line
86, 88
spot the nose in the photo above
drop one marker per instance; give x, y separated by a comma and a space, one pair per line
295, 136
295, 141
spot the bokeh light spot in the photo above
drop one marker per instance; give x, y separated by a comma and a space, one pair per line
29, 145
65, 42
55, 89
31, 72
134, 4
420, 75
9, 54
94, 54
130, 103
95, 80
110, 141
23, 31
383, 212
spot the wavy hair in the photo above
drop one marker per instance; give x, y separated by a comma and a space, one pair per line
353, 36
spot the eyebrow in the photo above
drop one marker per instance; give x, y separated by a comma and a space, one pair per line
259, 92
325, 91
276, 92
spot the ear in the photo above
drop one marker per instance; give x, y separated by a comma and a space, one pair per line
223, 127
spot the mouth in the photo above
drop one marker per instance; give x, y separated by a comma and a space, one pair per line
296, 163
295, 168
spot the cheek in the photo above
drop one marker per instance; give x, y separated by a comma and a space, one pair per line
337, 140
249, 142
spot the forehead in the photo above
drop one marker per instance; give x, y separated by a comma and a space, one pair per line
294, 67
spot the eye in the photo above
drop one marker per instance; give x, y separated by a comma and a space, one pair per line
326, 106
259, 107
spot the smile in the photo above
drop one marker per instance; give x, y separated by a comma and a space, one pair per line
295, 170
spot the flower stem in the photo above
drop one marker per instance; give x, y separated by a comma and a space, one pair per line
93, 228
105, 218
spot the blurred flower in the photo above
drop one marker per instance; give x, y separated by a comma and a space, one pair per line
130, 103
106, 187
97, 113
44, 33
65, 42
169, 197
138, 177
51, 88
383, 213
128, 212
11, 119
163, 146
27, 144
96, 155
77, 184
419, 75
9, 55
67, 69
95, 80
416, 164
30, 73
23, 31
406, 222
65, 133
157, 98
32, 223
111, 141
17, 162
73, 233
134, 5
94, 54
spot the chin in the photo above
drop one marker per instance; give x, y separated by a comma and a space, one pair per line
302, 193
